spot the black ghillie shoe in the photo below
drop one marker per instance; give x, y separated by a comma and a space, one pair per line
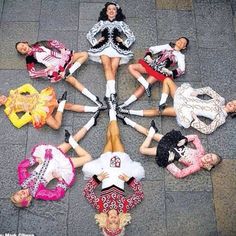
67, 136
124, 111
122, 105
153, 125
121, 117
148, 90
102, 108
98, 102
113, 100
63, 97
95, 116
162, 107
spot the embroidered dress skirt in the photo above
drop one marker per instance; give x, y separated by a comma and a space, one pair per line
58, 163
109, 51
115, 164
46, 104
150, 71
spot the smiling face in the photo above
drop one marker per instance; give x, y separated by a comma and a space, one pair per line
111, 11
180, 44
3, 100
23, 48
22, 198
113, 219
231, 106
209, 160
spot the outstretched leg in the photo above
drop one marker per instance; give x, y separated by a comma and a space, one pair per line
78, 59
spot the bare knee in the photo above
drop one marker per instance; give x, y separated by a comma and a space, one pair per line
141, 150
56, 125
84, 55
88, 158
131, 68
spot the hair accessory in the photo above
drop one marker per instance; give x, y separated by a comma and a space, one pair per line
24, 202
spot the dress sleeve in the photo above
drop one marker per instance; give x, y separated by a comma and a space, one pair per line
128, 33
155, 49
181, 173
92, 32
19, 122
180, 70
30, 64
208, 129
22, 169
89, 191
56, 44
52, 194
138, 195
197, 143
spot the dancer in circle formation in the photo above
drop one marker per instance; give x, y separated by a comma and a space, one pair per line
114, 167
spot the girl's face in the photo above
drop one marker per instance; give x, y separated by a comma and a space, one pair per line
3, 99
231, 106
23, 48
210, 159
113, 220
111, 12
21, 195
181, 43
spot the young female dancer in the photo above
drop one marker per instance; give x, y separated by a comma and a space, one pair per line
111, 49
173, 147
112, 169
169, 62
38, 107
188, 106
60, 63
52, 163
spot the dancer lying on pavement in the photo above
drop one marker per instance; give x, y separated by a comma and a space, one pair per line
111, 49
170, 63
52, 163
60, 63
173, 147
188, 106
38, 107
112, 169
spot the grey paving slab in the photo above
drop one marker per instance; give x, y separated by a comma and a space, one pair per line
144, 9
59, 15
45, 218
83, 43
10, 33
190, 213
174, 4
233, 5
144, 30
68, 37
10, 155
152, 209
173, 24
211, 20
86, 25
90, 10
8, 217
18, 10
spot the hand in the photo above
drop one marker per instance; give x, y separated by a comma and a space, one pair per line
148, 59
62, 74
39, 160
194, 93
50, 67
124, 177
166, 71
171, 156
63, 51
101, 39
119, 39
102, 176
56, 175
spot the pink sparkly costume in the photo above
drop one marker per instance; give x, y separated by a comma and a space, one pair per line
53, 160
51, 54
189, 157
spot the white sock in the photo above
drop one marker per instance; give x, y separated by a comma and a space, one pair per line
74, 67
164, 97
90, 109
61, 106
89, 94
151, 132
143, 82
111, 84
130, 100
73, 143
108, 93
89, 124
112, 114
136, 112
130, 122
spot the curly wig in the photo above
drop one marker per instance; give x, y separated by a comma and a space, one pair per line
103, 14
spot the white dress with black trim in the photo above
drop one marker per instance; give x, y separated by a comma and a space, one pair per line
110, 46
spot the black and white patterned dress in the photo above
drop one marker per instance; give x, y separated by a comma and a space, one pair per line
109, 46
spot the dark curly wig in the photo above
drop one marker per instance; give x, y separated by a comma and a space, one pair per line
103, 14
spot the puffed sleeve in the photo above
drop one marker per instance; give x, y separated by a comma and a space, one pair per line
128, 33
92, 32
